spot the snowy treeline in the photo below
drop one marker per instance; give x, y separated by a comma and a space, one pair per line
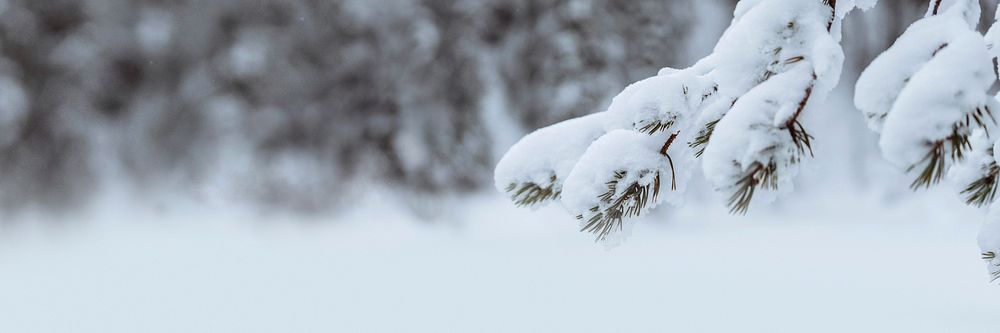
300, 104
294, 103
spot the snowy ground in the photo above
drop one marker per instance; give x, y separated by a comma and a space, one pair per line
844, 267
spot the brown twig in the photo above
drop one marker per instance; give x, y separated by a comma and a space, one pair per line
663, 151
801, 138
670, 141
804, 101
937, 7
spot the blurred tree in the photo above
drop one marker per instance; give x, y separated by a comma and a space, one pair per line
299, 104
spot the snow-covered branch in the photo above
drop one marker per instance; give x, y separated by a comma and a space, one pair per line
929, 96
740, 109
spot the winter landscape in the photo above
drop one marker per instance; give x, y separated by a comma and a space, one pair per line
499, 166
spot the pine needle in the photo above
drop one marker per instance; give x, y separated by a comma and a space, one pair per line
700, 142
801, 138
531, 194
979, 118
656, 127
933, 170
767, 177
935, 161
631, 203
983, 191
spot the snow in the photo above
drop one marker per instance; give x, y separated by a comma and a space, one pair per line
750, 135
671, 96
976, 163
490, 267
951, 85
923, 90
828, 259
969, 10
788, 39
776, 60
761, 39
548, 152
880, 84
845, 7
993, 36
928, 92
634, 153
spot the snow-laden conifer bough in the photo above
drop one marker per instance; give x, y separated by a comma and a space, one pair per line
929, 97
739, 110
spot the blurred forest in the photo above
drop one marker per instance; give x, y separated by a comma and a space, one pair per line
301, 104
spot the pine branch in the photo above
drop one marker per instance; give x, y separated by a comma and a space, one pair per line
935, 161
980, 192
759, 175
531, 194
701, 141
630, 203
801, 138
983, 191
767, 176
934, 169
656, 126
